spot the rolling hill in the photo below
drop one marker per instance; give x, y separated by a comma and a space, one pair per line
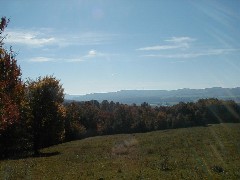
161, 97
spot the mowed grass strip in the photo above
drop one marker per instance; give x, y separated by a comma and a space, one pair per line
211, 152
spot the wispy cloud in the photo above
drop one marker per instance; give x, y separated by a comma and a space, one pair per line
175, 43
29, 38
180, 39
41, 59
90, 54
43, 37
89, 38
158, 47
194, 54
182, 47
77, 59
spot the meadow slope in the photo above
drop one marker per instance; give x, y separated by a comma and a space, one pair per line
211, 152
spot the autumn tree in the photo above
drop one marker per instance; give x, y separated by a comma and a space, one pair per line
73, 126
12, 102
46, 98
161, 120
89, 117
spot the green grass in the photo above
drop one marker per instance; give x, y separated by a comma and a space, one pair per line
193, 153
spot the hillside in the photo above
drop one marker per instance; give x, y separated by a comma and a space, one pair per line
161, 97
211, 152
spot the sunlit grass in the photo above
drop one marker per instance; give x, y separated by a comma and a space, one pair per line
193, 153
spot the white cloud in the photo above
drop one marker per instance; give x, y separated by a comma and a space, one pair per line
194, 54
175, 43
158, 47
183, 43
180, 39
91, 53
43, 36
41, 59
30, 38
90, 38
74, 60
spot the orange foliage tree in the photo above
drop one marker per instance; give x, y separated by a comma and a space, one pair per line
11, 85
11, 93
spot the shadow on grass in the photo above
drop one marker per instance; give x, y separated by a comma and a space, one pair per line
48, 154
28, 155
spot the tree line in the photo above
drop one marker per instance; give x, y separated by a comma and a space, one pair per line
94, 118
33, 114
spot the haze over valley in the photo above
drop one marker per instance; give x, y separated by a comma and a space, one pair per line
161, 97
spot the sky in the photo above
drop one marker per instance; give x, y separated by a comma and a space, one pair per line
110, 45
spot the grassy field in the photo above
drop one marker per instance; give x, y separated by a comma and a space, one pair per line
211, 152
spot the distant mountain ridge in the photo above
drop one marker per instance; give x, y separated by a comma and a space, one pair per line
161, 97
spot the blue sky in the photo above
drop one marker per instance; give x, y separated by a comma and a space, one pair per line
110, 45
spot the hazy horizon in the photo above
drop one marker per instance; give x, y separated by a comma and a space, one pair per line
148, 90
